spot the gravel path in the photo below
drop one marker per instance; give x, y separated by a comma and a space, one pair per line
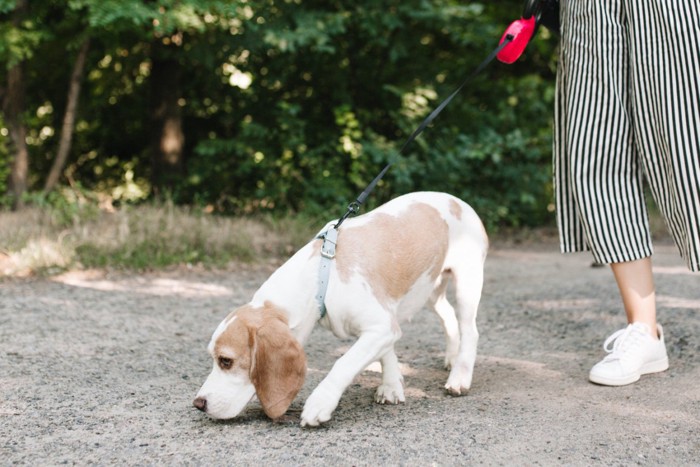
100, 368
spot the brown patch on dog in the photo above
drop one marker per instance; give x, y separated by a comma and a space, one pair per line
279, 367
233, 342
392, 252
259, 342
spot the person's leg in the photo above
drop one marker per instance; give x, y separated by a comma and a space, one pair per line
636, 283
639, 348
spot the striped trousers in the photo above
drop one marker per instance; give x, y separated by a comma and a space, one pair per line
628, 110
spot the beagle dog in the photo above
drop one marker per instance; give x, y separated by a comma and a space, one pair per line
388, 264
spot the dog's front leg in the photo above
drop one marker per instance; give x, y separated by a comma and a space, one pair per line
391, 389
324, 399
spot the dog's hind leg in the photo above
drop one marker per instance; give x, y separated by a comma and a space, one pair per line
442, 307
468, 284
391, 389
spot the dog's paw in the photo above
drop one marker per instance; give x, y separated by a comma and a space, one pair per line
456, 390
390, 394
314, 416
318, 408
459, 381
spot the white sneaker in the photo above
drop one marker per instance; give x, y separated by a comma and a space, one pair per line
634, 353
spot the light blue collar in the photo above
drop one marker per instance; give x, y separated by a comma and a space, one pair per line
330, 238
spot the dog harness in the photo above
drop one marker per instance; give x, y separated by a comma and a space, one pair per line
330, 238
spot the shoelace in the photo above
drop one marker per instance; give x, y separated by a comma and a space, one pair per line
623, 340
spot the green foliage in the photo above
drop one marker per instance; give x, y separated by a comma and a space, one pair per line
159, 18
294, 106
501, 175
66, 206
18, 43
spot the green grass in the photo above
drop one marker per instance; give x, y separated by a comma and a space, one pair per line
51, 238
59, 233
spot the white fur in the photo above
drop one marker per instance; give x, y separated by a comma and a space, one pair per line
354, 310
227, 393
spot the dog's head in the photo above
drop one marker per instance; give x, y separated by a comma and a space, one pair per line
254, 353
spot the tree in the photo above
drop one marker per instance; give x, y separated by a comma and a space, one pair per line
69, 117
168, 146
13, 107
278, 106
29, 31
166, 29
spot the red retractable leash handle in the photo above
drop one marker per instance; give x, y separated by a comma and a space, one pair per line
521, 31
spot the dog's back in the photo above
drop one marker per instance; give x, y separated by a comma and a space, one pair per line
402, 249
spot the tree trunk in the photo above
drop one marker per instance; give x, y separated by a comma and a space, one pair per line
64, 145
13, 106
168, 136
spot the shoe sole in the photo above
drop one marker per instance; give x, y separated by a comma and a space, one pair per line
651, 367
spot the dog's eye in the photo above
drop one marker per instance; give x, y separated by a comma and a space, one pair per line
225, 363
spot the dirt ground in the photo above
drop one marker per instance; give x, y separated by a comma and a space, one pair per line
101, 368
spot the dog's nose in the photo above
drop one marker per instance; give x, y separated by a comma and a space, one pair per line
200, 403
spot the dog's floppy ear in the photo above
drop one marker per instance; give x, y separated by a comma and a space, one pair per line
278, 364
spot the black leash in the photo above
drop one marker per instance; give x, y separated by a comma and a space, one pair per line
354, 207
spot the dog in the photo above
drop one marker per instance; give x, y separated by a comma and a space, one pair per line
389, 263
